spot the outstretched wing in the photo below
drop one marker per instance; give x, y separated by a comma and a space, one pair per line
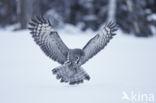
98, 42
48, 39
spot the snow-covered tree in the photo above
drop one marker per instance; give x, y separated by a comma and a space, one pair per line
133, 16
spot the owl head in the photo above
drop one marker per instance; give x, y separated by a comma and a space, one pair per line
75, 54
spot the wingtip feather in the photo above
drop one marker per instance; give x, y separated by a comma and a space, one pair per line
32, 24
30, 28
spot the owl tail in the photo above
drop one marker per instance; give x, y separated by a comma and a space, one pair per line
79, 76
70, 75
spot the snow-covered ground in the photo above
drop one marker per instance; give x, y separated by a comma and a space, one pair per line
127, 64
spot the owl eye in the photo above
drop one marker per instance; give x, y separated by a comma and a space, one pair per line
77, 59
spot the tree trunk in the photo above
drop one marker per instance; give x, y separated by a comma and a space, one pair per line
112, 10
25, 10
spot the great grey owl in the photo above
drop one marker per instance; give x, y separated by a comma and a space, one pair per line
71, 60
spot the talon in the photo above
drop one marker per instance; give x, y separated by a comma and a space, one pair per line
87, 77
54, 71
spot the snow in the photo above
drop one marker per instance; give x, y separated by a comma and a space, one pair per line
152, 17
126, 64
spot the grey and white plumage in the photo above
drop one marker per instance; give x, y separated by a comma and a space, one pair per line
71, 60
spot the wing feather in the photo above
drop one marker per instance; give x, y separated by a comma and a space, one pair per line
98, 42
48, 39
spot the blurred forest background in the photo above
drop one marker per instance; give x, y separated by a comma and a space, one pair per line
137, 17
